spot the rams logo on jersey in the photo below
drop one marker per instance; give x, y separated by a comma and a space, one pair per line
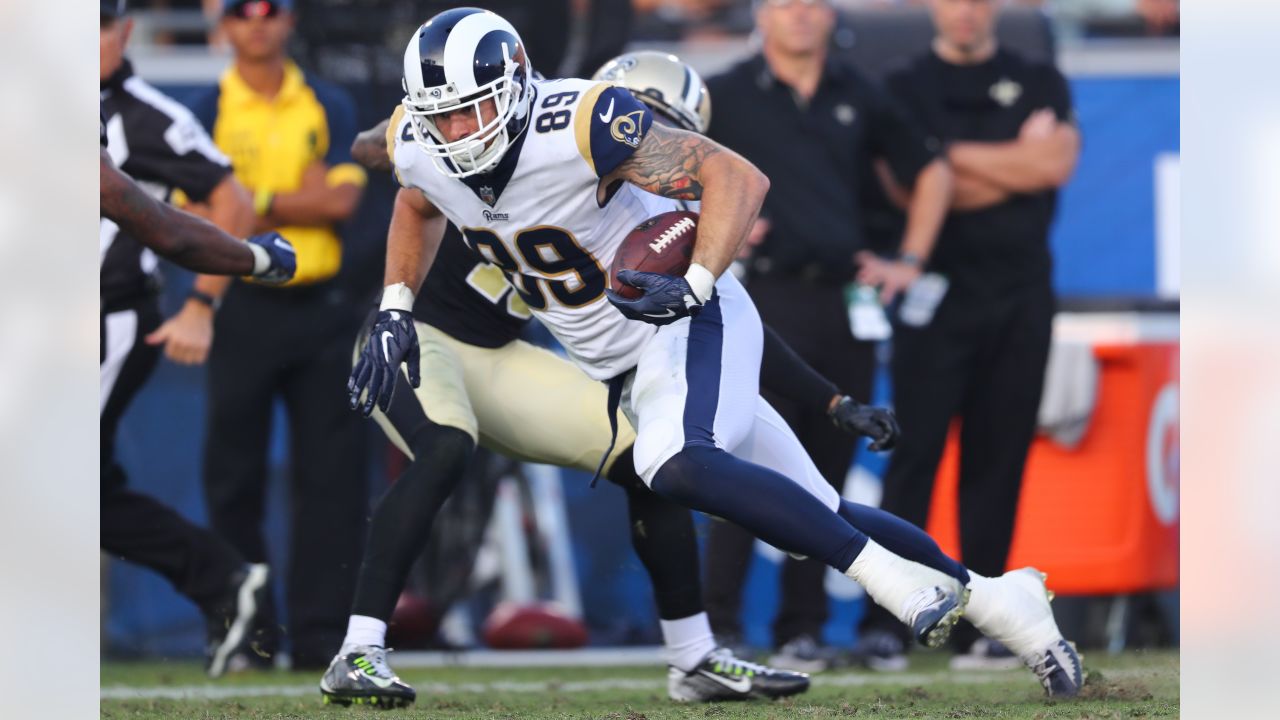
627, 129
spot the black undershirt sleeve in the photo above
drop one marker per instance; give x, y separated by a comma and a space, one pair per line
785, 374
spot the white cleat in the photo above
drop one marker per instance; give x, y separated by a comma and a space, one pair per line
932, 612
1014, 610
928, 601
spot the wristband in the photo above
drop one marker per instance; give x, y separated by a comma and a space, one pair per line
701, 282
262, 202
204, 299
911, 259
397, 297
261, 260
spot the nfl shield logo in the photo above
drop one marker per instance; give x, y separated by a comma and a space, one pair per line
486, 194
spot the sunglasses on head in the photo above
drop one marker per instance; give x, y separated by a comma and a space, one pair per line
253, 9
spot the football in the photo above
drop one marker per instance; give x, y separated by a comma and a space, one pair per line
516, 626
662, 244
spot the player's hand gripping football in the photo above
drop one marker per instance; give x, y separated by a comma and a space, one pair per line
666, 298
393, 340
877, 423
274, 261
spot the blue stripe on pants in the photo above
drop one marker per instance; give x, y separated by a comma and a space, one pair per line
702, 374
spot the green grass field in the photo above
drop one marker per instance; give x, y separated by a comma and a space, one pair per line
1132, 685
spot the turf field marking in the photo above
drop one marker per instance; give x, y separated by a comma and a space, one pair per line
227, 692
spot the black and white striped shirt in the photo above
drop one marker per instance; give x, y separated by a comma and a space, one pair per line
162, 146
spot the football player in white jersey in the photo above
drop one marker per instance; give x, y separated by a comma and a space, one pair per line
468, 319
545, 178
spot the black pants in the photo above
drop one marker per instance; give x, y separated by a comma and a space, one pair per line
294, 344
135, 527
812, 319
981, 361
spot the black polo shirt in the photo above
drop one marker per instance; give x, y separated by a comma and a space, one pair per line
817, 157
990, 250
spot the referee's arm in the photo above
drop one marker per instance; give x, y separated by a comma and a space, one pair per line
173, 234
188, 335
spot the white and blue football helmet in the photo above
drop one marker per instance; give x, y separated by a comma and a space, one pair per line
457, 60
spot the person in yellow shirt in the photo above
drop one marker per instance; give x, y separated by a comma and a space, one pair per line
288, 135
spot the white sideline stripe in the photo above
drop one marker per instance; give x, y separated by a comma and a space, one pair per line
224, 692
585, 657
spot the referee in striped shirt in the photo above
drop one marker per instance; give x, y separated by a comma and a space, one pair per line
161, 146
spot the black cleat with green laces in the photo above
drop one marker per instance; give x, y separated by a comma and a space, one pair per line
721, 676
362, 677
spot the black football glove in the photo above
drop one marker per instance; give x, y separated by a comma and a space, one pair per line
392, 340
877, 423
666, 298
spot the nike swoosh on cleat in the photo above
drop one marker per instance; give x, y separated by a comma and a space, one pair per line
741, 685
607, 114
386, 335
669, 313
383, 683
284, 246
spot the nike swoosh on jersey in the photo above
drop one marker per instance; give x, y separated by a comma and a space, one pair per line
386, 335
741, 685
669, 313
607, 115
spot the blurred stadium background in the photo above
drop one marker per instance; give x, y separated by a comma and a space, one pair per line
1109, 452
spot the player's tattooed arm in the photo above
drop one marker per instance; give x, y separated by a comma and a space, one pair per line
370, 148
687, 166
668, 162
187, 240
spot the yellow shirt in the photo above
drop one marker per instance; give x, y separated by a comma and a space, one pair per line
272, 141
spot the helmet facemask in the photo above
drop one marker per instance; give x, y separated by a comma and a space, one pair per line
481, 150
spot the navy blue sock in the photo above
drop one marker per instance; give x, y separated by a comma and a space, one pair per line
901, 538
765, 503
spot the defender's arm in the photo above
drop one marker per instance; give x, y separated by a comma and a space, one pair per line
370, 148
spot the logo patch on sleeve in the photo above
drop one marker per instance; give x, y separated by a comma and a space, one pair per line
626, 129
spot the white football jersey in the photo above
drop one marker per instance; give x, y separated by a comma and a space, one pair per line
537, 217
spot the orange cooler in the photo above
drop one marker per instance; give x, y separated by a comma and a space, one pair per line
1101, 517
